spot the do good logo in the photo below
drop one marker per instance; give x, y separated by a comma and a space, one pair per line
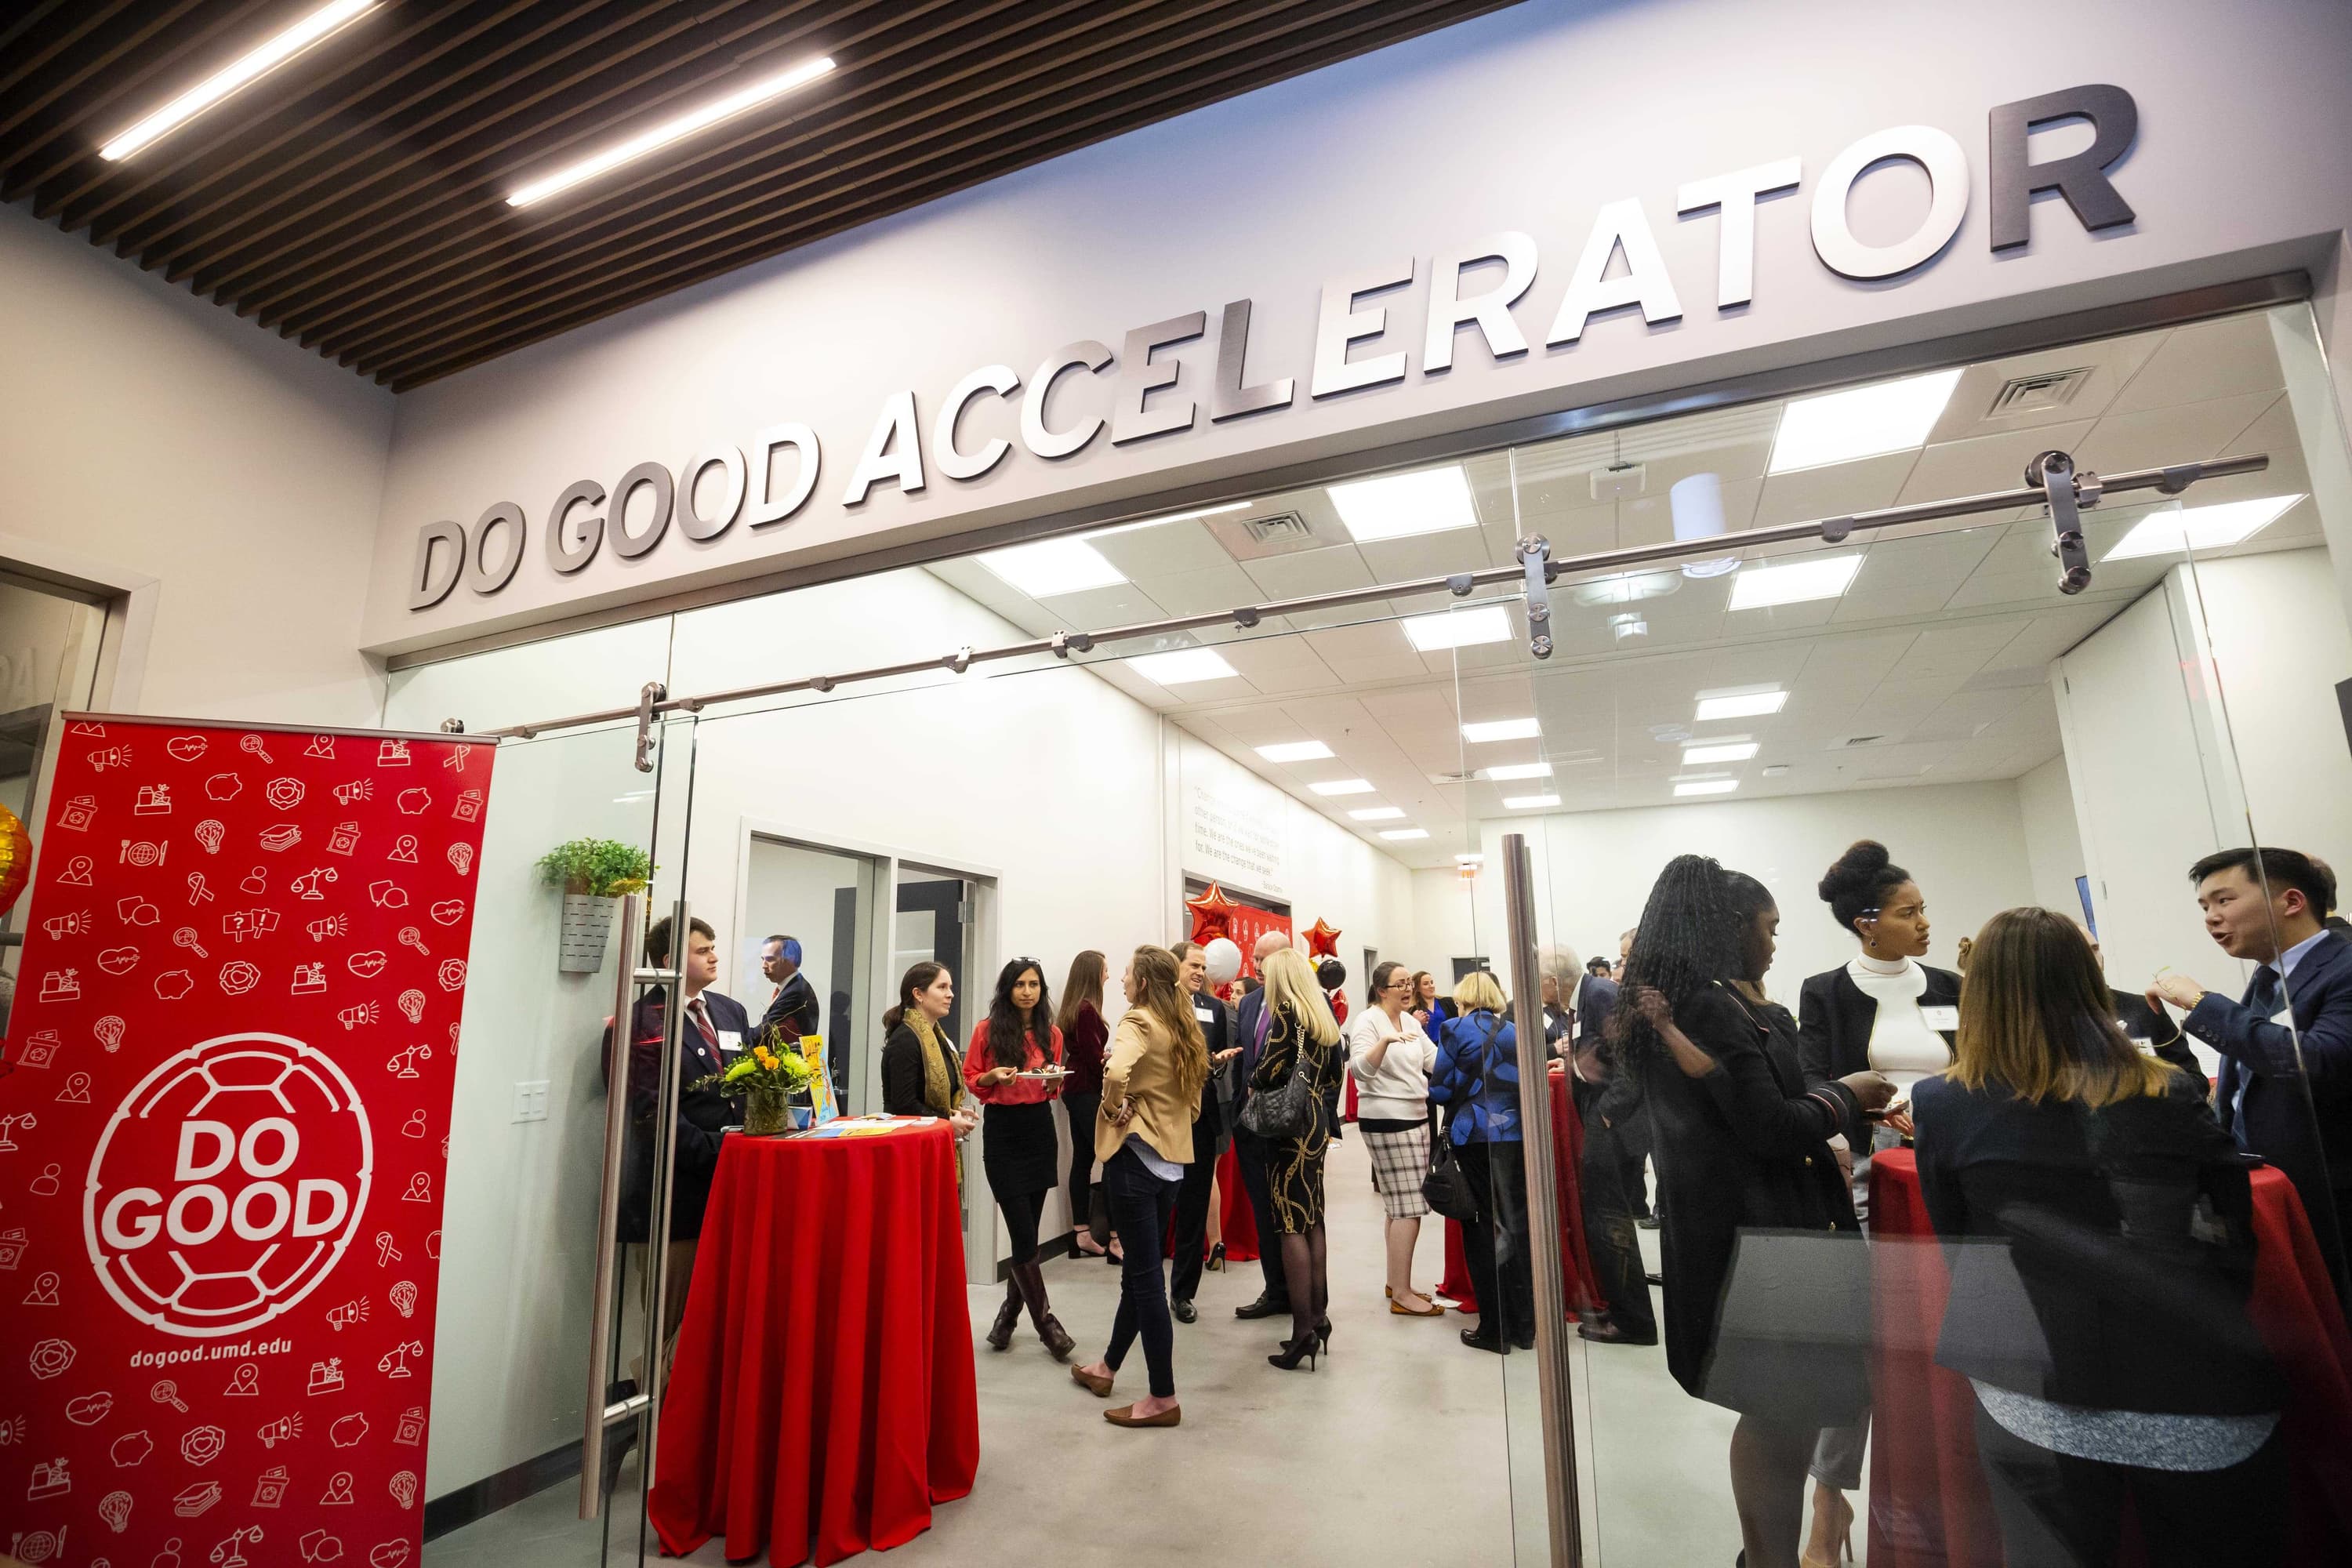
227, 1184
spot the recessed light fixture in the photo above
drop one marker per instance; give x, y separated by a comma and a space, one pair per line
1528, 802
1342, 786
1860, 422
1459, 628
1777, 771
669, 130
1294, 751
2214, 527
1053, 566
1502, 729
1378, 814
239, 73
1727, 752
1171, 517
1739, 705
1519, 771
1397, 506
1706, 786
1468, 859
1181, 666
1761, 587
1399, 834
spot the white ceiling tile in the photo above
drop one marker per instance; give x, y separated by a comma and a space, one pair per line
2208, 360
1185, 546
2112, 364
1836, 491
1984, 464
2176, 433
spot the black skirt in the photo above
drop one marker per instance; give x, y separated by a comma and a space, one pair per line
1020, 1150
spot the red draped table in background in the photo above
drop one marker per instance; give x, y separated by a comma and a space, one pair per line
1579, 1286
821, 1397
1928, 1505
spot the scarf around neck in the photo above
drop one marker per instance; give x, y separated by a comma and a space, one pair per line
942, 1090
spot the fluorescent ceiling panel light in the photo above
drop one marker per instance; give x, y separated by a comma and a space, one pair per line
1741, 705
1468, 859
669, 130
2214, 527
1172, 517
240, 73
1502, 729
1398, 834
1378, 814
1459, 628
1519, 771
1761, 587
1053, 566
1181, 665
1294, 751
1706, 786
1860, 422
1528, 802
1401, 505
1730, 751
1342, 786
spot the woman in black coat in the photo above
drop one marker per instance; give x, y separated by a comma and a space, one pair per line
1742, 1151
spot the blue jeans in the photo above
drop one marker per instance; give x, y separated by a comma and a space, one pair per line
1140, 1207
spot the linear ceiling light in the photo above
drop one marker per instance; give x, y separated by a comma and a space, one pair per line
1172, 517
1053, 566
1730, 752
1739, 705
669, 130
1399, 505
309, 30
1502, 729
1182, 666
1761, 587
1706, 786
1528, 802
1378, 814
1294, 751
1342, 786
1459, 628
1519, 771
1860, 422
1398, 834
2190, 528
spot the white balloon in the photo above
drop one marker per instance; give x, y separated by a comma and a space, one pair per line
1224, 961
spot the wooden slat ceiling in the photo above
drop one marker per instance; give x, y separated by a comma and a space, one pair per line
355, 199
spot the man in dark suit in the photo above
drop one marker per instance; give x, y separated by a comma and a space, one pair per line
1191, 1223
1249, 1149
2145, 1020
2292, 1032
795, 1009
2330, 918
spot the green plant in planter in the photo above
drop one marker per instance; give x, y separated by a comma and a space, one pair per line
604, 867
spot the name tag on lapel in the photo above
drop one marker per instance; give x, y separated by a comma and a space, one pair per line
730, 1041
1943, 1020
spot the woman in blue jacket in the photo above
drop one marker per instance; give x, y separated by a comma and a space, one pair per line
1476, 1078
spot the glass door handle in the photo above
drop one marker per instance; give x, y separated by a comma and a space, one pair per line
608, 1208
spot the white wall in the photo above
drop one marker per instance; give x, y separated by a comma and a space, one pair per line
2054, 840
2279, 647
150, 435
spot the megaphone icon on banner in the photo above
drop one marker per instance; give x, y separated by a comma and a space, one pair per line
284, 1429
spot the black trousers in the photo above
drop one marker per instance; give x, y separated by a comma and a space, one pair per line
1497, 1246
1249, 1152
2057, 1512
1192, 1213
1140, 1206
1611, 1234
1081, 1108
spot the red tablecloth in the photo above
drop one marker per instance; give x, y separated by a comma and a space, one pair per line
1578, 1287
822, 1399
1928, 1505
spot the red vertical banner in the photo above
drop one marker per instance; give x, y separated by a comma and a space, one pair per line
224, 1124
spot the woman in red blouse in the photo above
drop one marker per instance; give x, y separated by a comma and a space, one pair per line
1084, 1037
1014, 1070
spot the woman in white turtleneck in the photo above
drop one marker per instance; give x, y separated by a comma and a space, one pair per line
1888, 1011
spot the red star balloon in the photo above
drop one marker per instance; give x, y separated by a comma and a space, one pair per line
1212, 913
1323, 939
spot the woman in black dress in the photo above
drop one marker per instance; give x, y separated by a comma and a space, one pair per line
1300, 1035
1019, 1148
1743, 1157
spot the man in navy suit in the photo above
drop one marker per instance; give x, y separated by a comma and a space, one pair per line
2266, 906
1249, 1149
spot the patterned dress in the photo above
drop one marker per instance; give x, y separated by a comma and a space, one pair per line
1294, 1167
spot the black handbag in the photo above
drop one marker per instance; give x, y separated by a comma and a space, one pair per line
1447, 1188
1287, 1111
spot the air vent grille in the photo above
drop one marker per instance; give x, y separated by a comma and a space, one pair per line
1271, 533
2038, 393
1856, 743
1280, 528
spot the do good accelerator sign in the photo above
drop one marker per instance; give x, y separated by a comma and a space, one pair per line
223, 1121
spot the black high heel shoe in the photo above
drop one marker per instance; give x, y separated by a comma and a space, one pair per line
1323, 1336
1217, 1258
1293, 1351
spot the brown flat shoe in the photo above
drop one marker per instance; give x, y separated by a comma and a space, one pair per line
1098, 1386
1399, 1309
1125, 1416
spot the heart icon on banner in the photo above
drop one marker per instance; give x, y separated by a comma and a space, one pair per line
118, 960
449, 911
187, 748
366, 965
390, 1554
90, 1409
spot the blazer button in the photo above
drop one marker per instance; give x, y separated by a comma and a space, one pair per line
1809, 1160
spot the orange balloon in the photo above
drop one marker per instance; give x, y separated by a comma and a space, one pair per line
15, 858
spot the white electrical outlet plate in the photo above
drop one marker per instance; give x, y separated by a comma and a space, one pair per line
530, 1101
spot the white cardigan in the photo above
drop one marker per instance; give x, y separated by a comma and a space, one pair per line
1398, 1090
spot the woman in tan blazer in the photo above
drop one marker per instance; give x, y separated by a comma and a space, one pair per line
1143, 1135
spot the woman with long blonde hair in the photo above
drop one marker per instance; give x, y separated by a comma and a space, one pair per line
1143, 1135
1300, 1037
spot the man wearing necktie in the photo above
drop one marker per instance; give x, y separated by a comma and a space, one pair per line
2286, 1087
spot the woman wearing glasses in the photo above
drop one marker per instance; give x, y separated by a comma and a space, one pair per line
1014, 1070
1389, 1058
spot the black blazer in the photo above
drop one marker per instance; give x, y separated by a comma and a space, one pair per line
795, 1009
1835, 1019
1246, 1014
902, 1072
2101, 1258
1217, 1030
703, 1115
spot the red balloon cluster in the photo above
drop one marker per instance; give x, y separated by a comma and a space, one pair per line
1213, 914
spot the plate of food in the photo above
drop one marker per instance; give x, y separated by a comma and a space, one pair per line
1048, 1074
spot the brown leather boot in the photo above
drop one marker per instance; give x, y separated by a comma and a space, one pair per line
1008, 1317
1031, 1280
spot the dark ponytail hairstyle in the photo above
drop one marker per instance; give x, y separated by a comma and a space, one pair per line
918, 978
1858, 884
1694, 932
1009, 1032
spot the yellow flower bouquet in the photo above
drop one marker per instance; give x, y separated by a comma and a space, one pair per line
768, 1078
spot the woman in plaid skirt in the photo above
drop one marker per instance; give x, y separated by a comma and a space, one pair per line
1390, 1057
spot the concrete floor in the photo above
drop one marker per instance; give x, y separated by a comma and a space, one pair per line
1402, 1447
